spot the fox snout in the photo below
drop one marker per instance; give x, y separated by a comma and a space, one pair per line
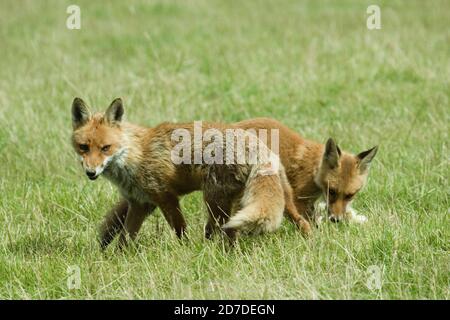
336, 211
94, 165
91, 174
335, 219
94, 172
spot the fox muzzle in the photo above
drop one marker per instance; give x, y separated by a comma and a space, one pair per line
92, 174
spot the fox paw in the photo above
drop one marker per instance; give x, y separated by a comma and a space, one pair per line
354, 217
319, 220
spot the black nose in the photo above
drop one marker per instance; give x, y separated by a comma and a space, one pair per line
334, 219
90, 174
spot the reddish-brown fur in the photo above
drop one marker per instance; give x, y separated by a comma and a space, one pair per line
313, 172
138, 161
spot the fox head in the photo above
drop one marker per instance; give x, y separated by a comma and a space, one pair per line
97, 138
340, 176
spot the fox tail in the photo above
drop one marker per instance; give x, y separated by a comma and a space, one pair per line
262, 204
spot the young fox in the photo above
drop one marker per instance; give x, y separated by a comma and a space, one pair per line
139, 162
315, 170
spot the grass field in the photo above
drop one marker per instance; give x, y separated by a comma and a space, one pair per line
312, 64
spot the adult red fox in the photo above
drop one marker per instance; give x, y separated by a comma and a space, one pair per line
316, 170
140, 162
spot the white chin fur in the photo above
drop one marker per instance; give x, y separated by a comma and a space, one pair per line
359, 219
354, 217
351, 216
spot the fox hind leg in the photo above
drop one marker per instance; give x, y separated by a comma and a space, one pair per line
171, 210
219, 210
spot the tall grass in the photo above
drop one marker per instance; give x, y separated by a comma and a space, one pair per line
311, 64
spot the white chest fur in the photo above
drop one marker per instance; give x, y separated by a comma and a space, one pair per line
125, 178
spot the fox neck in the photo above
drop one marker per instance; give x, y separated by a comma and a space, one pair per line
124, 163
313, 154
320, 149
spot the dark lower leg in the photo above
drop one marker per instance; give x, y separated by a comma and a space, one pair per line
133, 222
171, 210
113, 223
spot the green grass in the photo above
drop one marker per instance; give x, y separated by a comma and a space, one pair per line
311, 64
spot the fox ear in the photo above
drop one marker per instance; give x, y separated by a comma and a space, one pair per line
365, 158
332, 154
115, 111
80, 113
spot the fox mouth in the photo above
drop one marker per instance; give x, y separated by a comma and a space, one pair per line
334, 219
92, 175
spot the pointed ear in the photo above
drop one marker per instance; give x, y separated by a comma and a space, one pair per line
115, 111
366, 157
332, 153
80, 113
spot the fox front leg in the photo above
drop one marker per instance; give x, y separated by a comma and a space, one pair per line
291, 211
136, 215
113, 223
305, 208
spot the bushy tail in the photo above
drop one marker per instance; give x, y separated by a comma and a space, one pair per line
252, 220
262, 204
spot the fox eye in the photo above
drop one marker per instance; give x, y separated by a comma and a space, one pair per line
332, 192
349, 196
84, 147
106, 148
